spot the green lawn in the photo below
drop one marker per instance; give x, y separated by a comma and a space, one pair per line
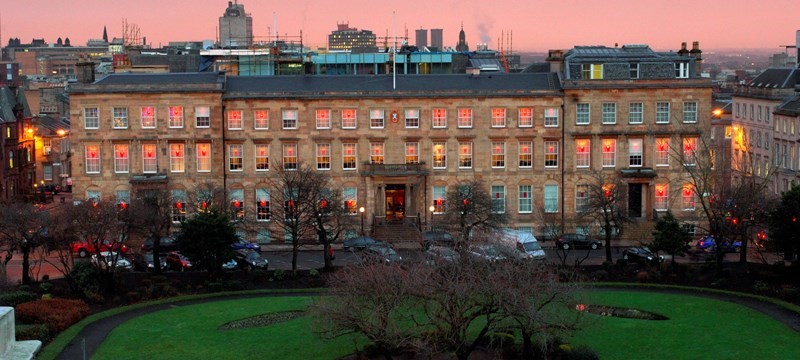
698, 328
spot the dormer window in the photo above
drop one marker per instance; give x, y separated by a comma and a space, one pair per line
681, 70
592, 71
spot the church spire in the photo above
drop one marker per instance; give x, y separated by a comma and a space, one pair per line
105, 34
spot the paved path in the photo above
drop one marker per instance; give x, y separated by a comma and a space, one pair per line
95, 333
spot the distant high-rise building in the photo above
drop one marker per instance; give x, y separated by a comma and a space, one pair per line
345, 38
462, 40
437, 40
235, 27
422, 38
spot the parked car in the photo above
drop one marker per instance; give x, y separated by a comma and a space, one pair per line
144, 262
441, 255
437, 237
231, 264
362, 242
577, 241
251, 259
167, 244
107, 259
523, 241
84, 248
497, 252
243, 244
178, 262
51, 189
707, 243
380, 254
641, 255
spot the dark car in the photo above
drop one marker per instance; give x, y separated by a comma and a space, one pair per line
441, 255
51, 189
245, 245
441, 238
577, 241
166, 245
144, 262
496, 252
362, 242
707, 243
380, 254
251, 259
641, 255
178, 262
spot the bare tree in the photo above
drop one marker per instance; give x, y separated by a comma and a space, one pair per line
605, 205
153, 213
328, 221
470, 207
23, 227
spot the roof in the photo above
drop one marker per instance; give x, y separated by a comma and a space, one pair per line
154, 82
626, 52
51, 124
381, 85
776, 78
790, 107
7, 103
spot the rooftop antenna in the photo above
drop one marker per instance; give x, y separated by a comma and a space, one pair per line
394, 53
275, 28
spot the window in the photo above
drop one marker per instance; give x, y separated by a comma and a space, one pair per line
348, 118
737, 109
148, 116
439, 120
551, 154
690, 229
262, 204
123, 198
47, 144
682, 70
662, 194
525, 117
760, 114
235, 157
766, 114
290, 156
323, 156
465, 118
439, 155
178, 205
592, 71
688, 197
752, 112
91, 118
376, 120
609, 152
582, 115
744, 110
525, 199
551, 117
582, 198
203, 157
93, 195
349, 156
92, 159
498, 155
583, 148
465, 155
690, 112
235, 121
350, 197
662, 152
634, 70
176, 116
635, 152
412, 118
376, 153
498, 199
635, 113
120, 118
551, 198
202, 117
121, 158
439, 197
149, 160
289, 119
609, 113
689, 150
412, 153
261, 119
323, 118
262, 157
758, 139
236, 197
728, 132
498, 117
525, 154
177, 158
662, 113
47, 172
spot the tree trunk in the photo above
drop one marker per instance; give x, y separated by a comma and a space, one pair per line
295, 250
527, 345
26, 276
743, 249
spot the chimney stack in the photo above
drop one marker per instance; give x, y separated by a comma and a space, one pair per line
697, 54
84, 70
683, 51
556, 60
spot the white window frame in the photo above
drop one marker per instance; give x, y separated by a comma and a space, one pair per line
465, 156
464, 118
121, 159
261, 157
119, 117
150, 163
689, 154
92, 164
525, 117
177, 157
609, 113
289, 119
551, 151
583, 157
498, 199
199, 111
550, 199
633, 70
323, 158
609, 152
263, 213
661, 202
235, 119
525, 199
681, 70
91, 121
323, 119
150, 118
439, 198
525, 155
635, 113
261, 119
662, 112
412, 152
175, 120
634, 154
689, 112
439, 118
349, 118
354, 155
662, 151
583, 114
443, 155
238, 154
498, 117
411, 118
203, 161
551, 116
290, 157
377, 119
498, 155
688, 198
582, 197
377, 153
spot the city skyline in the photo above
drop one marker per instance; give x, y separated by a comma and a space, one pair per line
539, 26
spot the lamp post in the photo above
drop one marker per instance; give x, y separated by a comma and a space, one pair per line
43, 198
432, 209
35, 192
362, 210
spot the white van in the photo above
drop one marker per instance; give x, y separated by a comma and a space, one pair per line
522, 241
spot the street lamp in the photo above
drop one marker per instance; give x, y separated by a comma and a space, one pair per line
362, 210
44, 199
432, 209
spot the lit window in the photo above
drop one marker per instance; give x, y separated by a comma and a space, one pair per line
525, 117
176, 116
582, 197
551, 154
323, 119
261, 119
290, 156
525, 199
498, 155
262, 157
203, 157
498, 199
202, 117
551, 198
662, 194
689, 151
439, 155
662, 113
149, 160
465, 118
235, 157
350, 196
120, 118
690, 112
262, 204
662, 152
91, 118
439, 120
376, 153
376, 120
177, 158
412, 152
551, 117
289, 119
465, 155
609, 152
688, 197
525, 154
412, 118
609, 113
582, 114
592, 71
498, 117
148, 116
121, 157
349, 156
178, 205
323, 156
583, 149
635, 113
123, 198
236, 197
439, 197
635, 152
348, 118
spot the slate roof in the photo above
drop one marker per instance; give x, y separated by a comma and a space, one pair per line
624, 53
381, 85
7, 103
159, 79
51, 124
790, 107
776, 78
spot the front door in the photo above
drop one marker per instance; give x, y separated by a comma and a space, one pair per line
635, 200
395, 202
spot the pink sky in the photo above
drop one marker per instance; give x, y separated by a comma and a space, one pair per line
536, 24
